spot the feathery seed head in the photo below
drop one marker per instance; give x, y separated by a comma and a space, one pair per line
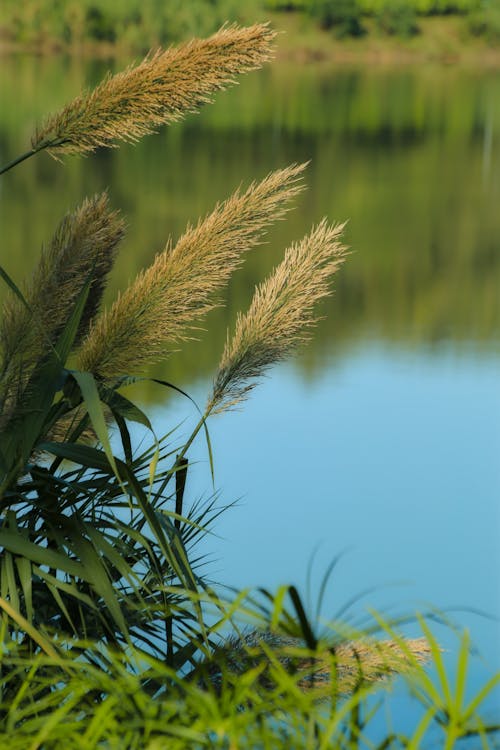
280, 315
85, 242
164, 87
179, 286
341, 667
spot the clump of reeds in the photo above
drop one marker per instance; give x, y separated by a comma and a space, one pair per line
280, 315
164, 300
161, 89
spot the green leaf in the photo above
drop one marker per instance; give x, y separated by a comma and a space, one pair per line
10, 579
307, 633
418, 734
125, 438
461, 678
34, 634
487, 688
14, 288
98, 577
18, 545
85, 455
54, 590
278, 606
26, 579
439, 664
92, 400
103, 547
18, 443
209, 449
124, 407
68, 588
70, 330
180, 486
153, 466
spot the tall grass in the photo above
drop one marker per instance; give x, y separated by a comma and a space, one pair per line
111, 634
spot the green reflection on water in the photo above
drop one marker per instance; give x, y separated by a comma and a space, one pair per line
411, 157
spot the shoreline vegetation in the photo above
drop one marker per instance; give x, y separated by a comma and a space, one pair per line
349, 31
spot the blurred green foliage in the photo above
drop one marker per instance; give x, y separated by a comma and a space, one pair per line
394, 17
398, 18
485, 22
426, 7
343, 16
142, 24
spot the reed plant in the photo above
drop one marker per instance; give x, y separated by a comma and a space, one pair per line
111, 634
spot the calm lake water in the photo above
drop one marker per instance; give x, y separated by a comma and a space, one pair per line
382, 441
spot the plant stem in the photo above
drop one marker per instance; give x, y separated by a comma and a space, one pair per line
179, 461
19, 159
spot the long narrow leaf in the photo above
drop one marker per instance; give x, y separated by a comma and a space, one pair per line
33, 633
309, 636
18, 545
92, 400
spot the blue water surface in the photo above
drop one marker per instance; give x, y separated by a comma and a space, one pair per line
389, 457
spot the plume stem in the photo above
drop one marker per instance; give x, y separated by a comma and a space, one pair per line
179, 460
19, 159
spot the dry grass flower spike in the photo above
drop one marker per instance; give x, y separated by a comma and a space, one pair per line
164, 87
280, 316
178, 288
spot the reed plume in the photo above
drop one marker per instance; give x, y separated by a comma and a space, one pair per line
84, 245
164, 87
85, 242
179, 286
342, 667
280, 315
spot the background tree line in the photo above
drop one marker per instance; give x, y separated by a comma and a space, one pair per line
143, 23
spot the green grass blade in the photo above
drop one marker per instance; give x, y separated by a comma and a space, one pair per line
107, 550
209, 449
67, 588
9, 576
33, 633
171, 548
461, 678
98, 576
474, 704
418, 735
278, 606
92, 400
440, 667
47, 378
180, 486
67, 338
420, 680
14, 288
125, 438
121, 405
25, 575
153, 466
57, 596
85, 455
307, 632
18, 545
